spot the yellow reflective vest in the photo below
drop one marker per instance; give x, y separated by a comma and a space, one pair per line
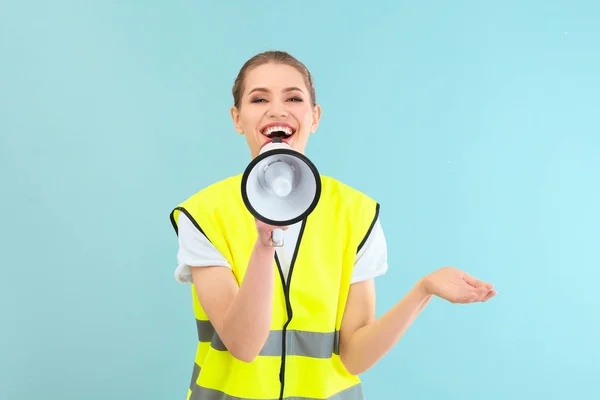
300, 359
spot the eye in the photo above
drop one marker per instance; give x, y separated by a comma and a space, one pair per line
294, 99
258, 100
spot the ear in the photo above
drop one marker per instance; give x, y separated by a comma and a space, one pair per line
316, 118
235, 116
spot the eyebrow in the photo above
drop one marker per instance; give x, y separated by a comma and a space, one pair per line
262, 89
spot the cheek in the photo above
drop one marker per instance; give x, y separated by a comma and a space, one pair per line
249, 118
305, 118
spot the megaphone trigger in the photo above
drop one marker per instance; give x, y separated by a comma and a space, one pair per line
277, 238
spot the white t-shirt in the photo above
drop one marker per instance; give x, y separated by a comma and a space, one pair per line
195, 250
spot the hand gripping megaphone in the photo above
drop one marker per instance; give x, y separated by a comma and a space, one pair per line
280, 187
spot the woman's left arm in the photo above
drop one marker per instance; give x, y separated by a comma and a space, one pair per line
364, 340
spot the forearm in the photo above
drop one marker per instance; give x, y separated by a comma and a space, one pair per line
248, 319
371, 342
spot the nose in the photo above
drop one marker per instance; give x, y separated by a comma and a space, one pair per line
277, 109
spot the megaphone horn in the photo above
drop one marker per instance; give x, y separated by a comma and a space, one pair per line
280, 187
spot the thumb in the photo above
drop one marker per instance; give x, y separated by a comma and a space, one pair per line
470, 280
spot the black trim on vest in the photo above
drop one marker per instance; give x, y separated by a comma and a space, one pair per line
362, 243
187, 213
288, 304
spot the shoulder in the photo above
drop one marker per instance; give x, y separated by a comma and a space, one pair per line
209, 199
343, 192
359, 209
349, 198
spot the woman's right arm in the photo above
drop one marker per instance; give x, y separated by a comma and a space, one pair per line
240, 315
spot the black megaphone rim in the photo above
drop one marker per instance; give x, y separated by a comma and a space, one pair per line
261, 157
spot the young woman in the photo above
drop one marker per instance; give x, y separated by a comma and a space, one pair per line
297, 321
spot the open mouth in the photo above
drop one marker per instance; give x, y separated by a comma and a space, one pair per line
284, 132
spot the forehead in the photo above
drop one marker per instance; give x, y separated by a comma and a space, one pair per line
274, 77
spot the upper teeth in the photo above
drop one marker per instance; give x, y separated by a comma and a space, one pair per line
285, 129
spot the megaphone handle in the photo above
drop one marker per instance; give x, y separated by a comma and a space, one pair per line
277, 238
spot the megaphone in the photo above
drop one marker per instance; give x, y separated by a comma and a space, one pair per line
280, 187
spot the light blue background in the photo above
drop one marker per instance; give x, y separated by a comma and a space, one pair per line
474, 123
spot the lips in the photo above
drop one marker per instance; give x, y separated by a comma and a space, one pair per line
278, 129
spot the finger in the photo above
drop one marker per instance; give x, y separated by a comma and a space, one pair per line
472, 297
483, 285
491, 294
476, 294
470, 280
477, 283
479, 286
482, 295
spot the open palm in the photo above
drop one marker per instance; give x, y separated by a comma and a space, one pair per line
457, 286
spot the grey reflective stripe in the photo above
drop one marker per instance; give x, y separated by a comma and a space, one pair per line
205, 331
298, 343
195, 375
201, 393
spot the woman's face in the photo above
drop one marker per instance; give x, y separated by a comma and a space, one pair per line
275, 102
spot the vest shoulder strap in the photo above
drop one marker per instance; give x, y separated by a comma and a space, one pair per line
356, 206
212, 206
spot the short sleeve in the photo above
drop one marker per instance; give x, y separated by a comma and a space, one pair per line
195, 250
371, 259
